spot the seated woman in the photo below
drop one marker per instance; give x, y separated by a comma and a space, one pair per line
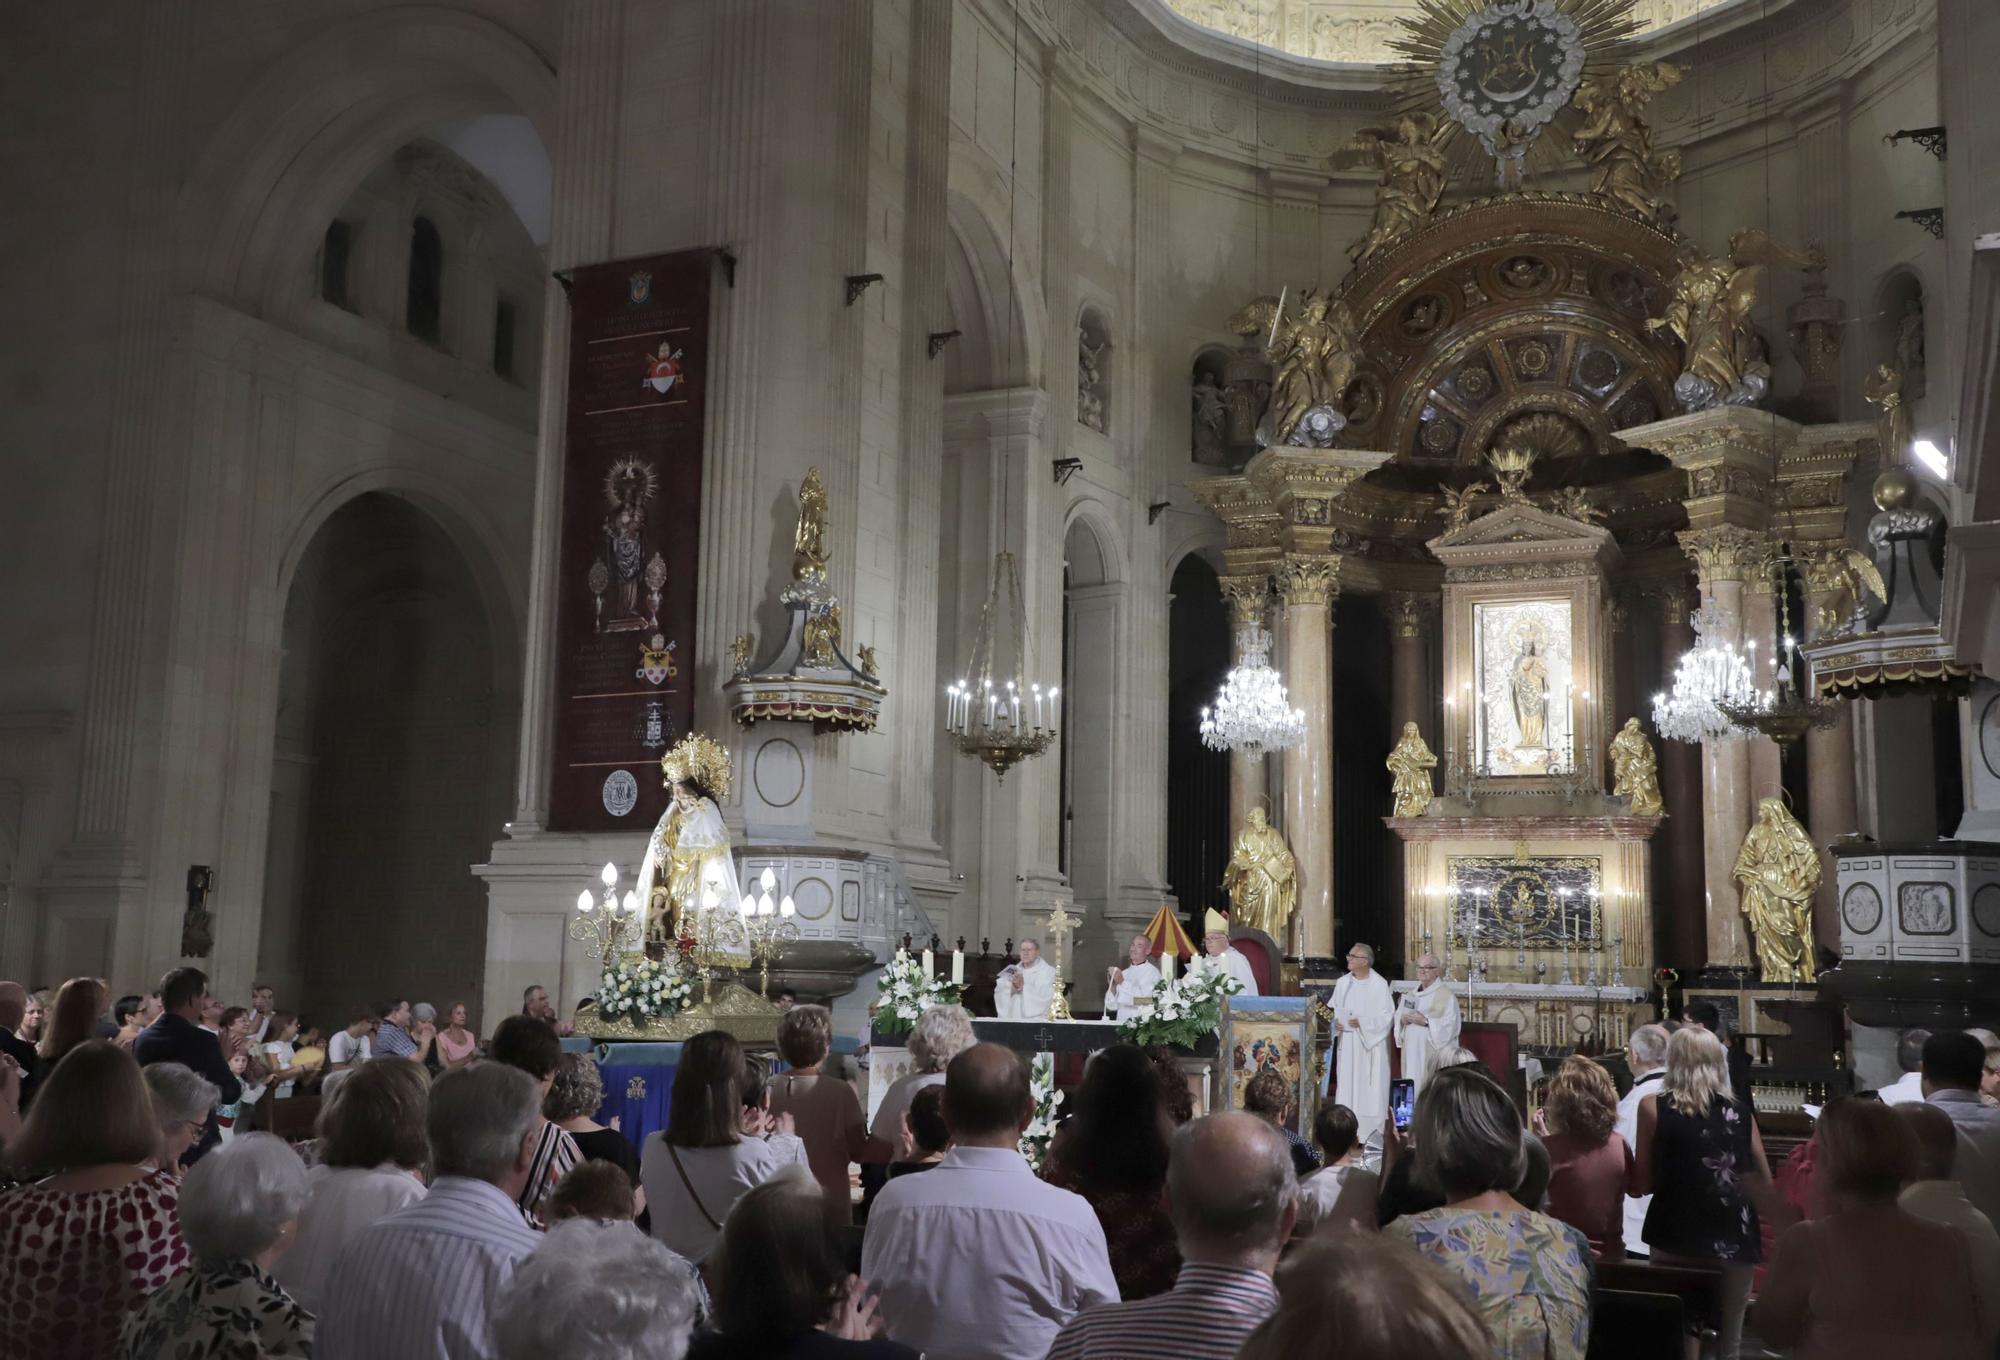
825, 1111
575, 1095
593, 1290
1341, 1196
1590, 1164
1870, 1278
182, 1100
239, 1207
99, 1225
782, 1291
1114, 1154
1529, 1274
715, 1146
1346, 1297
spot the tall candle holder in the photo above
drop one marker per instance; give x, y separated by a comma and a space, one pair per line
603, 928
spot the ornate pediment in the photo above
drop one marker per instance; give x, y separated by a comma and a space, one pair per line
1525, 535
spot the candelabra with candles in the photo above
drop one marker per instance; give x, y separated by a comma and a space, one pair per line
602, 927
720, 938
999, 716
768, 926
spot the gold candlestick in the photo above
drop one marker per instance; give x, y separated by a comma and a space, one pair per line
1060, 925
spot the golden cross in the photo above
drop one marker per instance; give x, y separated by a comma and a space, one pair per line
1060, 925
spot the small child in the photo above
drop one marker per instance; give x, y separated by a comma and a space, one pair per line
593, 1189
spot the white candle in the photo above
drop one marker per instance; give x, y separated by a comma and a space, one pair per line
1167, 965
929, 971
958, 967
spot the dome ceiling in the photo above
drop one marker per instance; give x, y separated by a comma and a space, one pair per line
1358, 30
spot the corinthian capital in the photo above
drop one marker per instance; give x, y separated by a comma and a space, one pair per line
1728, 552
1248, 597
1307, 579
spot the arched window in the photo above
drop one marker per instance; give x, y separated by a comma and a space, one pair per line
425, 305
334, 252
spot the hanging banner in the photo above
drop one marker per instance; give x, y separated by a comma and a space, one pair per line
631, 512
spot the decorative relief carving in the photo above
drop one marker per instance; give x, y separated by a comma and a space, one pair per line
1524, 571
1728, 552
1310, 510
1304, 579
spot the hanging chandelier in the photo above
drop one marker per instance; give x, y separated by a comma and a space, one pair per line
1252, 714
998, 715
1711, 678
1786, 713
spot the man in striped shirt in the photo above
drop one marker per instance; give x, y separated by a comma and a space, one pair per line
1233, 1198
421, 1283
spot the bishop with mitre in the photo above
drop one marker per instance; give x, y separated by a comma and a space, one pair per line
1363, 1014
1427, 1022
1023, 990
1222, 956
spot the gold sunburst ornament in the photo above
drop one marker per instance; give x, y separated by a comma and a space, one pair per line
701, 759
1505, 72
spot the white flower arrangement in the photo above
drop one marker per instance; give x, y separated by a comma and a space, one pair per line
1185, 1010
1041, 1130
637, 988
905, 991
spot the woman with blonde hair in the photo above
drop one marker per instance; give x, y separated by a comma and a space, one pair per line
1590, 1164
1702, 1160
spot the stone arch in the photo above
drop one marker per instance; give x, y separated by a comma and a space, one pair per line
988, 290
257, 201
1094, 624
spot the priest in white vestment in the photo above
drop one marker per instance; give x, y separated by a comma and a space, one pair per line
1221, 955
1136, 978
1023, 990
1427, 1023
1363, 1013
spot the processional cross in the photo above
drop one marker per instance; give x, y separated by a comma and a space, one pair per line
1060, 925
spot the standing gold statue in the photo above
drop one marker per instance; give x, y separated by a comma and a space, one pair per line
1262, 879
1725, 359
1635, 773
1777, 872
1884, 388
1411, 764
1615, 140
809, 539
1412, 179
1312, 356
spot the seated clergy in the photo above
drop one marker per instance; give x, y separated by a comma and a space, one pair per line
1023, 990
1219, 954
1136, 978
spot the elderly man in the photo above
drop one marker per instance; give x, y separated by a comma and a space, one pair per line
979, 1259
1937, 1195
535, 1002
1233, 1201
1646, 1054
1218, 953
1427, 1022
1138, 977
396, 1036
1952, 1065
423, 1281
1023, 990
1362, 1015
1908, 1087
596, 1288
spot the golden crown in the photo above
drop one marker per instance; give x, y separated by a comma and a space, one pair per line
700, 759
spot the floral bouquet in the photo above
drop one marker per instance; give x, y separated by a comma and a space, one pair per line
639, 989
1041, 1130
1185, 1010
905, 991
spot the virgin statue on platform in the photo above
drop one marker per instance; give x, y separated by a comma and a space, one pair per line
1777, 872
688, 863
1531, 697
1262, 879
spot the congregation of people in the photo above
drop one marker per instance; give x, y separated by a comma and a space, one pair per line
457, 1197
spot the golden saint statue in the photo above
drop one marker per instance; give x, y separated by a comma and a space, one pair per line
1615, 141
1635, 771
688, 858
1884, 388
1412, 170
1312, 355
1411, 764
809, 540
1262, 879
1777, 872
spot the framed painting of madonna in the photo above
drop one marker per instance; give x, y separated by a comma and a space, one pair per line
1274, 1033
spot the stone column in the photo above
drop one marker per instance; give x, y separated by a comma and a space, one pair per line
1760, 620
1725, 557
1410, 687
1830, 787
1249, 600
1680, 933
1308, 585
1621, 702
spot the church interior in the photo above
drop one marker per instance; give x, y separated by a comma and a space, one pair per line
1494, 482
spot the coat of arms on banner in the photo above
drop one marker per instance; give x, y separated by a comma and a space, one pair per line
663, 369
639, 288
656, 660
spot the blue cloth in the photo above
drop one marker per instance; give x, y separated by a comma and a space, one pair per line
638, 1085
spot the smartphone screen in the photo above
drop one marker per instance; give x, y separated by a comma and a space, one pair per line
1402, 1100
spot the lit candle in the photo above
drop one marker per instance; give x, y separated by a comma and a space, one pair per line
958, 967
1167, 965
584, 901
788, 908
929, 971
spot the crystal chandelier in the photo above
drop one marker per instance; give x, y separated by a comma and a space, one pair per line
1711, 678
1786, 713
998, 715
1252, 714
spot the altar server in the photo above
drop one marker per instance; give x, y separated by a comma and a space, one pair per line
1363, 1013
1136, 978
1023, 989
1223, 955
1427, 1022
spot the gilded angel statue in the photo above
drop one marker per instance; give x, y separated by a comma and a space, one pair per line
1459, 505
1312, 355
1615, 141
1725, 360
1573, 502
1412, 174
1841, 574
1777, 871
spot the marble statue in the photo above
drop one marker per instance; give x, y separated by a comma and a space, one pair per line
1262, 878
688, 864
1091, 391
1635, 771
1412, 170
1884, 388
1210, 414
1777, 871
1615, 141
1411, 764
1910, 347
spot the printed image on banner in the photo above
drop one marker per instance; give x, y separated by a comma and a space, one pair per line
631, 508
